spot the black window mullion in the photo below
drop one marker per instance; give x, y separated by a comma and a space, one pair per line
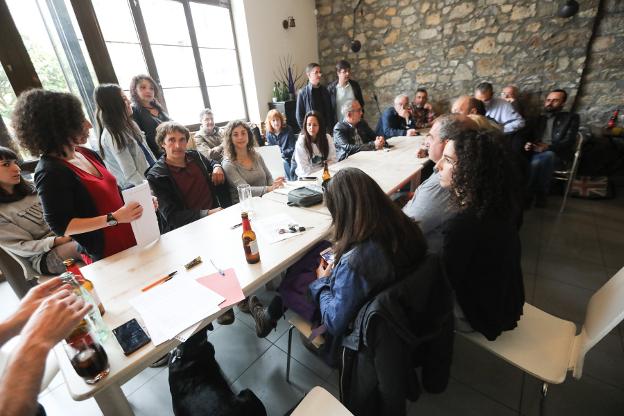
139, 23
195, 47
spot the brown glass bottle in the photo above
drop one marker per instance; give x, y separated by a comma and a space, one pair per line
326, 175
250, 244
71, 267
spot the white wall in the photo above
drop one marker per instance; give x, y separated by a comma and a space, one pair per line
262, 41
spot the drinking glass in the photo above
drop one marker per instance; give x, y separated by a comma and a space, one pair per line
245, 199
86, 354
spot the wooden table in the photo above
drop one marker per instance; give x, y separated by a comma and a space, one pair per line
120, 278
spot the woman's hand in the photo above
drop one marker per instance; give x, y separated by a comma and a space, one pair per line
61, 240
218, 176
324, 269
277, 183
128, 213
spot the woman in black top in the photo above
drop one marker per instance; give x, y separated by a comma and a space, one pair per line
146, 109
481, 249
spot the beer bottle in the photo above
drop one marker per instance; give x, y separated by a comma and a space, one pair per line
613, 120
326, 175
250, 244
73, 268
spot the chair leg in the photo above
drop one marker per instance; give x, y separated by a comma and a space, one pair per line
290, 331
543, 398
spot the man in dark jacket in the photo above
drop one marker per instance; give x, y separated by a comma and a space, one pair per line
353, 134
187, 184
397, 120
552, 136
314, 97
343, 90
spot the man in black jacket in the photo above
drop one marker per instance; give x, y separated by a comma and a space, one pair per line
397, 120
314, 97
552, 136
343, 90
187, 184
353, 134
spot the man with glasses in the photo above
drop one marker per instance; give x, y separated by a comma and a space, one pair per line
343, 89
430, 203
511, 94
314, 97
498, 109
397, 120
353, 134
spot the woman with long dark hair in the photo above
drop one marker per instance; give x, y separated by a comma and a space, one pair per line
374, 244
313, 146
23, 231
481, 249
121, 143
147, 110
80, 197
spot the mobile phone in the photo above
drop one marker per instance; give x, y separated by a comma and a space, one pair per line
328, 255
307, 178
131, 336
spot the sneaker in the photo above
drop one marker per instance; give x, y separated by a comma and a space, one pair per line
161, 362
243, 305
264, 324
227, 318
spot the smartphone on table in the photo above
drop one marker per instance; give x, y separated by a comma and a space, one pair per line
131, 336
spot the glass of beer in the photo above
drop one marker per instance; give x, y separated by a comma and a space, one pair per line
86, 354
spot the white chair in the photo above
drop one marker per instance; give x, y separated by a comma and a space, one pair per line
273, 159
569, 174
319, 401
547, 347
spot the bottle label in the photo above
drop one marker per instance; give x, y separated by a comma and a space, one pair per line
253, 247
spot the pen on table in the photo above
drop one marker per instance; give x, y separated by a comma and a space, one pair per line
236, 226
159, 281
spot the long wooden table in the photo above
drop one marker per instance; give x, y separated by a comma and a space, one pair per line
119, 278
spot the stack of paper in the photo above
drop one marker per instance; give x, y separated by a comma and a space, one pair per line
170, 308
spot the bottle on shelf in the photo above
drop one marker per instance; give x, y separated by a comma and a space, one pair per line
72, 267
613, 120
250, 244
101, 330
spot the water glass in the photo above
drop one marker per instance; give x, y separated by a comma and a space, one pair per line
245, 199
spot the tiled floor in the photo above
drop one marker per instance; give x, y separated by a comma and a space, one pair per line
565, 259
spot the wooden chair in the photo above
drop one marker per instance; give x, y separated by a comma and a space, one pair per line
548, 347
18, 272
304, 327
568, 175
319, 401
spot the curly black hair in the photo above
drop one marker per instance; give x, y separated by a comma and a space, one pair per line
46, 121
486, 179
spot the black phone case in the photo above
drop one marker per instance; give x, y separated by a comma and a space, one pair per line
131, 336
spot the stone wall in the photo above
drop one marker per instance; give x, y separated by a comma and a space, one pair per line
448, 46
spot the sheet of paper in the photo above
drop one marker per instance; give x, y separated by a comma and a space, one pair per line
145, 228
269, 227
226, 286
170, 308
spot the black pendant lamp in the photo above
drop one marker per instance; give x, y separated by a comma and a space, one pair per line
568, 9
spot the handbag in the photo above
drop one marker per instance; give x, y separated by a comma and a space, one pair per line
304, 197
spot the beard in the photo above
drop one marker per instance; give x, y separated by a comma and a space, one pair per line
549, 109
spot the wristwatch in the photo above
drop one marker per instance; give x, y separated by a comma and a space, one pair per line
110, 220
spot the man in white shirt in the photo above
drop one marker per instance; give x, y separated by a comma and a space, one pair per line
344, 89
498, 109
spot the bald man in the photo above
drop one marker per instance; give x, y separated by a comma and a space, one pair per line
466, 105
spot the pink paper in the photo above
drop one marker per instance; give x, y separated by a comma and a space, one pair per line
226, 286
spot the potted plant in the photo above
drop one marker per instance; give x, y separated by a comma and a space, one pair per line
289, 79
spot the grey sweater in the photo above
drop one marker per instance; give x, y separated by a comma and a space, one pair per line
258, 176
23, 231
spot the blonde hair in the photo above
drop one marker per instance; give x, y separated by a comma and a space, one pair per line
272, 115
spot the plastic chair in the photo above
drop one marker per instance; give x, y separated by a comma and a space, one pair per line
298, 323
569, 174
18, 272
272, 157
547, 347
319, 401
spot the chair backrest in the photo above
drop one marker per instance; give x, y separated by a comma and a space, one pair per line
320, 402
273, 159
17, 272
605, 310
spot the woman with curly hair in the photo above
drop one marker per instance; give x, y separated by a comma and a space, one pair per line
280, 134
147, 110
122, 144
313, 146
243, 165
481, 249
80, 197
23, 232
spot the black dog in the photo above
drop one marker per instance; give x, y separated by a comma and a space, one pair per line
198, 387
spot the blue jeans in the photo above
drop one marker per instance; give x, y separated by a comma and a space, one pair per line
289, 169
540, 175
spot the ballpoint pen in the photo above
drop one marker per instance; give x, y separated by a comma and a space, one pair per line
159, 281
